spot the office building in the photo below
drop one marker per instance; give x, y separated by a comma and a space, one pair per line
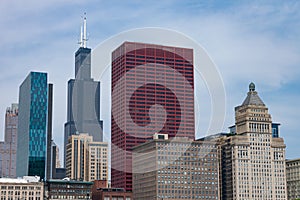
252, 162
57, 164
60, 173
293, 179
67, 189
177, 168
83, 108
100, 191
8, 148
98, 161
32, 126
51, 153
147, 79
86, 160
21, 188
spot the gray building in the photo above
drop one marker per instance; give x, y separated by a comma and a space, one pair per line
56, 189
8, 148
83, 109
293, 178
177, 168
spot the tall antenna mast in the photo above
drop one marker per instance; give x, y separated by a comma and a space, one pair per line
84, 38
81, 36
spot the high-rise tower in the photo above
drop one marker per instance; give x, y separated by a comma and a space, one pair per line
32, 126
83, 109
253, 161
152, 91
8, 148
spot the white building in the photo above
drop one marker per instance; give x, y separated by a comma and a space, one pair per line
253, 162
27, 188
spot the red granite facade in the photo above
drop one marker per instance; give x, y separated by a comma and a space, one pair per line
152, 91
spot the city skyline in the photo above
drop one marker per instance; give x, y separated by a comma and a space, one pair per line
247, 41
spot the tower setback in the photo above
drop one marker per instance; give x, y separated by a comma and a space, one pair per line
83, 98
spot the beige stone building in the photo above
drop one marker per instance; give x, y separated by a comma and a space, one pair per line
98, 161
86, 160
293, 178
252, 162
27, 188
176, 168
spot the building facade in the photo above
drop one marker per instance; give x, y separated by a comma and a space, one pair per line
98, 161
86, 160
253, 162
101, 191
27, 188
112, 194
8, 148
147, 78
51, 156
32, 126
83, 107
177, 168
67, 189
293, 179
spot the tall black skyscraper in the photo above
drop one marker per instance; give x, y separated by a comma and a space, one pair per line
83, 109
50, 169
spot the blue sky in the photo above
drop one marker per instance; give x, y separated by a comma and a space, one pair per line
247, 40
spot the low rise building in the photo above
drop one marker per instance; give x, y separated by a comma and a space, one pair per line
25, 188
67, 189
100, 191
176, 168
293, 178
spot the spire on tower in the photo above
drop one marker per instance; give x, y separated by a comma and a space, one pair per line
83, 37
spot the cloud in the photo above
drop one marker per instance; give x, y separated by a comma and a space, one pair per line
248, 40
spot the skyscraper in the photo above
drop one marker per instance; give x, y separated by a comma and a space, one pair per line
152, 91
8, 148
50, 157
253, 162
83, 109
32, 125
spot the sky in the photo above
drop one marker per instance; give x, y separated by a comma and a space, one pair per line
249, 41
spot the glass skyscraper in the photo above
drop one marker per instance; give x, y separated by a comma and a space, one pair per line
32, 125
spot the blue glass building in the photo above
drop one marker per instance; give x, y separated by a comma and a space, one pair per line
32, 125
275, 130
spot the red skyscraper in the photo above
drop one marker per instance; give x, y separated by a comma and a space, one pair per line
152, 91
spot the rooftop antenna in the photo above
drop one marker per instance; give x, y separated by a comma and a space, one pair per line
83, 38
80, 40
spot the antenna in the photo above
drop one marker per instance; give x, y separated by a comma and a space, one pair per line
80, 40
84, 38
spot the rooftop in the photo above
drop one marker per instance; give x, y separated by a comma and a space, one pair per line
252, 97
